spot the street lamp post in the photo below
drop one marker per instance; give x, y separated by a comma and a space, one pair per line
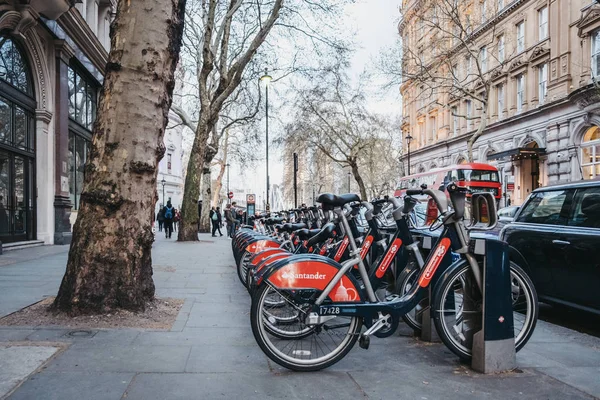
163, 185
348, 182
266, 78
408, 139
228, 199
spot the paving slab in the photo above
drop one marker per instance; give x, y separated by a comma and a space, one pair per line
108, 358
438, 383
249, 386
74, 386
18, 362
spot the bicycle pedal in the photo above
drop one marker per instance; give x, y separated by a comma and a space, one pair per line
364, 341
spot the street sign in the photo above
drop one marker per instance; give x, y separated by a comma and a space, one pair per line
230, 195
250, 199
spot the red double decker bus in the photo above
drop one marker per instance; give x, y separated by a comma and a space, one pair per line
474, 176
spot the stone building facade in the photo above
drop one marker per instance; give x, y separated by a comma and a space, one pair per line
544, 109
52, 62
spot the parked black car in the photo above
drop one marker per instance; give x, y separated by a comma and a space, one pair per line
555, 237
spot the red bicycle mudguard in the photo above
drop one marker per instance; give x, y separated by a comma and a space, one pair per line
258, 257
260, 245
314, 272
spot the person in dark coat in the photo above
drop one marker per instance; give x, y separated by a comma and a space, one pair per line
214, 219
220, 218
169, 213
160, 217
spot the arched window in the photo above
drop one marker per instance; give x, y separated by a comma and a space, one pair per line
17, 145
13, 68
590, 153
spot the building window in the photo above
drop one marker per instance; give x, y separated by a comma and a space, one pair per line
501, 48
469, 65
543, 77
500, 5
469, 114
483, 59
596, 54
433, 136
79, 151
520, 92
421, 133
590, 153
82, 99
421, 28
500, 101
17, 145
454, 112
169, 162
82, 114
520, 36
543, 23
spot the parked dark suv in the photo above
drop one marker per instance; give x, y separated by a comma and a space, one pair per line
556, 238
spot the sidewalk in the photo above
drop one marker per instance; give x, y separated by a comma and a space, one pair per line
210, 352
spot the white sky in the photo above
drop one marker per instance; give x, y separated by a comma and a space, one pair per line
375, 23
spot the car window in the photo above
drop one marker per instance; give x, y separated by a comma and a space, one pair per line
586, 210
546, 208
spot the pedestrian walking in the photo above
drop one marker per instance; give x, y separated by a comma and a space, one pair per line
220, 218
160, 217
214, 219
230, 220
176, 220
169, 212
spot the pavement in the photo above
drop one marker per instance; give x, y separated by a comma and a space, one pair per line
210, 352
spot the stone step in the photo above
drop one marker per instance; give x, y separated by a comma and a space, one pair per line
22, 245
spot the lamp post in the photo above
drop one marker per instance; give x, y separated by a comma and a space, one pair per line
266, 78
348, 181
163, 185
408, 139
228, 199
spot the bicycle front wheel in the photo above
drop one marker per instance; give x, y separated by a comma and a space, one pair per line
301, 347
458, 309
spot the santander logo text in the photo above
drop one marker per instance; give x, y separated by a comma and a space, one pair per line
291, 275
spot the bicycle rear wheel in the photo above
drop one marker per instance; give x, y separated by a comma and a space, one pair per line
319, 346
458, 309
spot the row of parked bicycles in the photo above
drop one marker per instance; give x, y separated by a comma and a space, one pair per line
350, 269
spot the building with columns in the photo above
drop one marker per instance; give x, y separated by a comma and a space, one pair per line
544, 110
52, 59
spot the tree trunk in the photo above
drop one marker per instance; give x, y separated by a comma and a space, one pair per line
189, 223
359, 181
110, 264
223, 165
206, 198
478, 133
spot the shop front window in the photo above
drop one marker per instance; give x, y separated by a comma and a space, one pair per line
590, 153
82, 114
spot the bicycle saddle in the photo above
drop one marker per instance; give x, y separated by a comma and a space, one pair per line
304, 234
325, 233
332, 200
291, 227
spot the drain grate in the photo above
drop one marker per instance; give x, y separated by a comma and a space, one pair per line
81, 333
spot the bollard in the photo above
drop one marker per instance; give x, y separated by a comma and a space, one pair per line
494, 345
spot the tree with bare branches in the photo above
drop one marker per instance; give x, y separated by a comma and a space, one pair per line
110, 264
331, 118
452, 56
222, 54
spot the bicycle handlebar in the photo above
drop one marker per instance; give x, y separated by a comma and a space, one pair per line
395, 202
438, 197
